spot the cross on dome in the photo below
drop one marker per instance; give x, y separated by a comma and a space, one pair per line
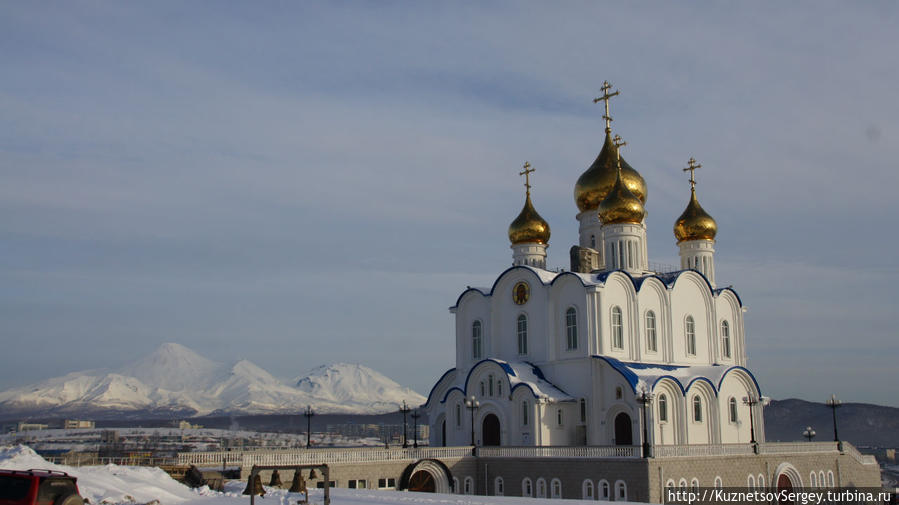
618, 145
605, 98
527, 175
691, 167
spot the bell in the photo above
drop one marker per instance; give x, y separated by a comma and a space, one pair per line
312, 474
276, 479
299, 484
254, 486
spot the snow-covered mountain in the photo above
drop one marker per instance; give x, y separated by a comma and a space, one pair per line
177, 381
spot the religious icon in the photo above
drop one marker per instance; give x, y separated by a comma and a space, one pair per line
520, 293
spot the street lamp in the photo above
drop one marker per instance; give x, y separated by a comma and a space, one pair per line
750, 401
834, 404
645, 399
415, 415
308, 415
405, 410
472, 405
809, 433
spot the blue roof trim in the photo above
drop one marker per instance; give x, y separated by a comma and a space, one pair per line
703, 379
524, 385
758, 389
721, 290
450, 390
673, 378
505, 366
566, 273
625, 372
437, 384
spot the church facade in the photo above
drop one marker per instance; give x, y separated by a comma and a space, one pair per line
572, 358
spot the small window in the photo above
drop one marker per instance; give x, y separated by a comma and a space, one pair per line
813, 479
498, 486
490, 384
821, 478
556, 489
718, 483
663, 408
527, 489
604, 490
483, 389
541, 488
617, 329
732, 408
559, 417
691, 336
469, 485
456, 488
694, 485
750, 483
725, 339
499, 388
592, 241
670, 485
522, 334
651, 340
583, 405
476, 346
571, 328
524, 413
760, 481
697, 409
619, 394
682, 485
620, 491
458, 415
587, 490
830, 482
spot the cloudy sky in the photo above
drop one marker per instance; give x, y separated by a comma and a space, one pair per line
298, 183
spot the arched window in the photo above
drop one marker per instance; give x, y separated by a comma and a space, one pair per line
458, 415
830, 478
651, 340
604, 490
571, 327
469, 485
522, 334
476, 348
691, 336
583, 406
587, 490
527, 489
669, 485
490, 384
821, 478
725, 338
663, 408
555, 489
541, 488
619, 393
760, 481
682, 485
813, 479
617, 329
456, 488
620, 490
559, 417
697, 409
750, 483
732, 409
694, 485
524, 413
592, 241
718, 483
498, 486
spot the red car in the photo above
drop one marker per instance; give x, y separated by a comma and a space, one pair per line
38, 487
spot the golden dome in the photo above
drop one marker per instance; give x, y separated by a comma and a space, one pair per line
595, 183
621, 206
695, 223
529, 226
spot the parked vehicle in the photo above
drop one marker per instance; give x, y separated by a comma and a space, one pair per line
38, 487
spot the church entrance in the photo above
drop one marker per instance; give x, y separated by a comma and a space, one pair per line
422, 482
623, 435
490, 430
784, 484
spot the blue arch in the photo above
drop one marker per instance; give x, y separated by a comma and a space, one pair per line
758, 389
428, 401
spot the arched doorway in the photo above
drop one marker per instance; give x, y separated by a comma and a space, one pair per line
784, 484
623, 434
490, 430
422, 481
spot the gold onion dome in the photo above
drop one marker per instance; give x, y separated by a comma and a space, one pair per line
529, 226
621, 205
695, 223
597, 181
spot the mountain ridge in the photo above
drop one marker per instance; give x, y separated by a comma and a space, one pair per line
175, 380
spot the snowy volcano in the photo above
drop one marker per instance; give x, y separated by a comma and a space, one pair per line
175, 380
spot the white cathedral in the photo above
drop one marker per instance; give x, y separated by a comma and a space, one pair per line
550, 358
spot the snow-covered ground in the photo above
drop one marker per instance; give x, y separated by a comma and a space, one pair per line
128, 485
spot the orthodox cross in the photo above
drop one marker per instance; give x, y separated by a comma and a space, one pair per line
691, 167
527, 175
618, 145
605, 98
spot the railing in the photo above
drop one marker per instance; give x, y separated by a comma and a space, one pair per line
685, 451
797, 447
865, 459
97, 461
581, 452
662, 268
314, 456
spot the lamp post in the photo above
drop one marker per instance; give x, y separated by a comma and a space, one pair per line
809, 433
472, 405
308, 415
749, 400
405, 410
834, 404
645, 399
415, 415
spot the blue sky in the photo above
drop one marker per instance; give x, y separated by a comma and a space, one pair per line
298, 183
